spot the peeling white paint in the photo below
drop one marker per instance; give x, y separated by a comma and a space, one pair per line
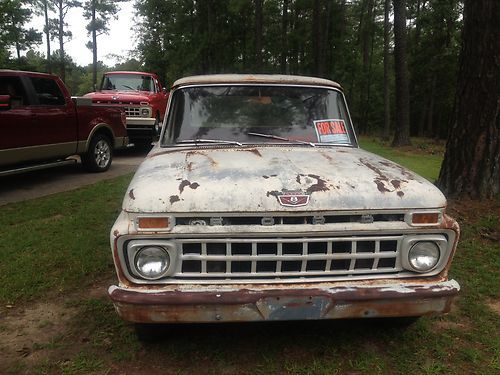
248, 179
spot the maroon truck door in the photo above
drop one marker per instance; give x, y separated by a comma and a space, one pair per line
16, 122
56, 117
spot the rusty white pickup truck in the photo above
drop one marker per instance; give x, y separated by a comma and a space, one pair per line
257, 204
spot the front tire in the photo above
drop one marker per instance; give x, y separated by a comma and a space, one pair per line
99, 156
156, 128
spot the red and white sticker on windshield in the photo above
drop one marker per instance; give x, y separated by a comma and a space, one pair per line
332, 130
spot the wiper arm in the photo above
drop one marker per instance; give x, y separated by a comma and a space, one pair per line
209, 141
281, 138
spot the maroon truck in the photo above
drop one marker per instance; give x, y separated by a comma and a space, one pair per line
142, 97
41, 125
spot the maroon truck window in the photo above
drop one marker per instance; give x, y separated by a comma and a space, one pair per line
47, 91
13, 86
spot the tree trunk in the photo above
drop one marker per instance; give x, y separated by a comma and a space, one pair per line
430, 131
94, 48
62, 64
471, 165
367, 52
284, 39
402, 128
258, 35
387, 94
47, 35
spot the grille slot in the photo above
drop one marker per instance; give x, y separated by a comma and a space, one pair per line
292, 220
133, 111
238, 259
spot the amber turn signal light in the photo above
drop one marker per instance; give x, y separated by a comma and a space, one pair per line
425, 218
152, 222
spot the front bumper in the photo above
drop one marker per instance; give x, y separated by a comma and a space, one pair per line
254, 303
141, 122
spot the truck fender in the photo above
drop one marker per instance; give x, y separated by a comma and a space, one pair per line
83, 145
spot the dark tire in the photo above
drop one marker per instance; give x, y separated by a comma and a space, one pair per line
150, 332
156, 128
99, 156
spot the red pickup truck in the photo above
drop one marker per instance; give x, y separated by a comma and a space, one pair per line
41, 125
142, 97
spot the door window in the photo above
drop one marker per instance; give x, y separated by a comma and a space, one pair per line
47, 91
13, 86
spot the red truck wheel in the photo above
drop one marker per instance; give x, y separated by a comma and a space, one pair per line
99, 155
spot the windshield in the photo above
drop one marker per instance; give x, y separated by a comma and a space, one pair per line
127, 82
258, 114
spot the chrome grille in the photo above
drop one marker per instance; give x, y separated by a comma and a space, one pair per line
287, 258
133, 111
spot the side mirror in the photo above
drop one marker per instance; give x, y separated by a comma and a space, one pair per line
5, 102
164, 90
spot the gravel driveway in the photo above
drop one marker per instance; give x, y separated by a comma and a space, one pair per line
50, 181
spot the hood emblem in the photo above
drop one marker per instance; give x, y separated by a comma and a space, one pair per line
115, 97
293, 198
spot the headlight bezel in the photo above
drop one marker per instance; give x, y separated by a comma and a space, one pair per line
134, 247
441, 243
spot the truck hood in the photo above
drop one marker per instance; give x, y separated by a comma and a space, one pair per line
114, 96
255, 179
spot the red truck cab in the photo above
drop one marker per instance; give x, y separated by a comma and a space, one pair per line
142, 97
41, 125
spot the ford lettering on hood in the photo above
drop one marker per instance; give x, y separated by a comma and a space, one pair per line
258, 204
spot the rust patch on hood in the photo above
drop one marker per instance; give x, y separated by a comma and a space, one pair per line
131, 194
274, 194
326, 156
196, 152
174, 198
396, 184
403, 171
253, 151
320, 185
185, 183
381, 186
382, 181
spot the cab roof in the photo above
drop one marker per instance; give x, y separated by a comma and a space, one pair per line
254, 78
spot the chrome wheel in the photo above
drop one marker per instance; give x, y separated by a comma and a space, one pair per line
102, 153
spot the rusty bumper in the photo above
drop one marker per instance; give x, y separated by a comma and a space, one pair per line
258, 304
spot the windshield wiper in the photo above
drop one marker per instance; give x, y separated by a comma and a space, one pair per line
209, 141
281, 138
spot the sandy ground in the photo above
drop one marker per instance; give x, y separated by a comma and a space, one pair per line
50, 181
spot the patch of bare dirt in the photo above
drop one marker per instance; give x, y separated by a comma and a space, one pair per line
470, 211
494, 305
29, 333
34, 327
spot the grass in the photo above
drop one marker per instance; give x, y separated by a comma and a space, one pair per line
425, 158
59, 244
56, 243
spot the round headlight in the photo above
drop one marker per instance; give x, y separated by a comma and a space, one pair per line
145, 112
424, 256
152, 262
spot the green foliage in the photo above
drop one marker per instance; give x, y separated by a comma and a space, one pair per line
338, 39
14, 14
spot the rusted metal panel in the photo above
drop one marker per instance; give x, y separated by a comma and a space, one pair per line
191, 180
260, 304
254, 78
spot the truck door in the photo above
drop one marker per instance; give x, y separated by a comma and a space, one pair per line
56, 122
17, 122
